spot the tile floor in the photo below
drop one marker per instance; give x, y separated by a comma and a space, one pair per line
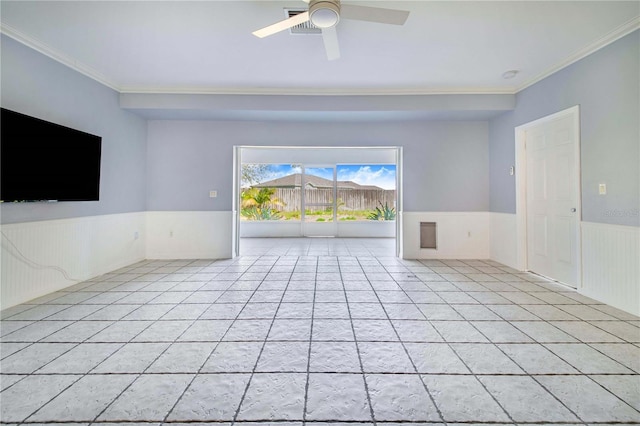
318, 331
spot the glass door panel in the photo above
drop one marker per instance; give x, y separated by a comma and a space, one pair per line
319, 195
366, 192
270, 192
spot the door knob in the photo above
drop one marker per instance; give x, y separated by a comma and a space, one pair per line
573, 210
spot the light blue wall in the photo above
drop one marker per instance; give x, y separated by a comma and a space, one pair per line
449, 166
606, 85
36, 85
446, 164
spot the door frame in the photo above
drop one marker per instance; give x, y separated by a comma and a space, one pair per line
521, 187
237, 166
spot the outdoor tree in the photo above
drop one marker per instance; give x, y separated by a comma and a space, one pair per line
259, 204
253, 173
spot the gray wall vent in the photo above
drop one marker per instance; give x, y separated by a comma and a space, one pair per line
428, 235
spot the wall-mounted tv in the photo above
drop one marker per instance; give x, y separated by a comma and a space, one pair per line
43, 161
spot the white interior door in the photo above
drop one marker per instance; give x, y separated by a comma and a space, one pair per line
553, 210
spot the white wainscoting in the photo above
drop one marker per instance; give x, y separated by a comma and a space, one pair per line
36, 256
345, 229
189, 234
367, 229
269, 229
503, 236
460, 235
611, 265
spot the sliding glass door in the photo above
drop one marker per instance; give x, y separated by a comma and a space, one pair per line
319, 200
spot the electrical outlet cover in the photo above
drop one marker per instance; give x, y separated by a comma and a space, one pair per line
602, 188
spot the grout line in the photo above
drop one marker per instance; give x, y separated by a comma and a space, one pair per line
156, 358
214, 373
514, 361
500, 349
387, 265
255, 365
355, 338
533, 377
313, 312
426, 388
81, 376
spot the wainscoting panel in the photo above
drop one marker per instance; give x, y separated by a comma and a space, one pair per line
344, 229
611, 265
270, 229
189, 234
503, 239
459, 235
41, 257
367, 229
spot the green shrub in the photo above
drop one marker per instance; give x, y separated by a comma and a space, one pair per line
349, 218
291, 215
265, 213
384, 213
254, 202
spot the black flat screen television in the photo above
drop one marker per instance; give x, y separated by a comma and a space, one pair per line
43, 161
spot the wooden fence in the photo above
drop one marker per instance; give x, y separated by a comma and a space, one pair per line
348, 199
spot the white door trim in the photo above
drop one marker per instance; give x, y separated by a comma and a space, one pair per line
399, 198
235, 206
521, 186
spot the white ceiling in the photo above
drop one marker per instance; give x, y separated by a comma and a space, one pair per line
207, 46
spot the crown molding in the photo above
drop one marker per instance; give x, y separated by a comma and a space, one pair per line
618, 33
64, 59
310, 91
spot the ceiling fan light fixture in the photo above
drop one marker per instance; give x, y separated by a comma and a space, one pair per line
324, 14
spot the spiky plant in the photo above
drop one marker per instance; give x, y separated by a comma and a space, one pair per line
383, 212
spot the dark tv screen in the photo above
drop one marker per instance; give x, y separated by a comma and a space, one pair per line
43, 161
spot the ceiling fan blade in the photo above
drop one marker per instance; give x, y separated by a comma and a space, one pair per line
374, 14
331, 46
282, 25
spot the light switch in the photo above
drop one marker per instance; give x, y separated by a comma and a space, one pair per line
213, 194
602, 189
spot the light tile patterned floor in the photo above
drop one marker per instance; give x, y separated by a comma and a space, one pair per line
319, 331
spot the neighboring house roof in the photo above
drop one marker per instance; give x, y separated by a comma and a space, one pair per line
294, 181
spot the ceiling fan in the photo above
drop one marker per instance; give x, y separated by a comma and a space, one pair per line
325, 14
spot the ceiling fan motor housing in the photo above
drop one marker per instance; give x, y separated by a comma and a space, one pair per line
324, 13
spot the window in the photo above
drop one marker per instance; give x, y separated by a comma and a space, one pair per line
270, 192
275, 192
366, 192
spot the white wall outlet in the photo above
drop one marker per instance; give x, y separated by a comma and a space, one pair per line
136, 235
170, 233
602, 189
512, 170
213, 194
